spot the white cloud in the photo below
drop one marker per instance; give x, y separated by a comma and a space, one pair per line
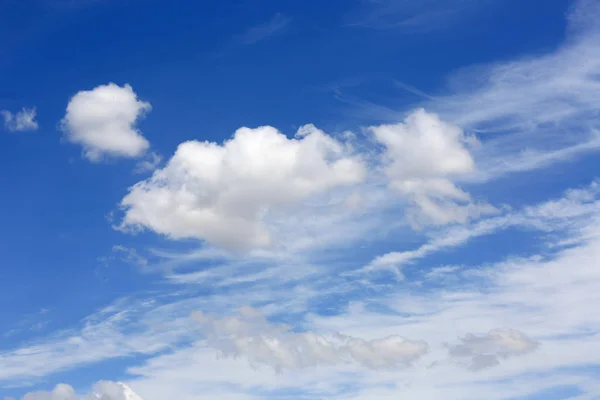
103, 121
485, 351
556, 119
103, 390
555, 122
252, 336
546, 296
224, 193
106, 390
117, 331
23, 120
237, 194
421, 156
546, 216
423, 146
60, 392
440, 272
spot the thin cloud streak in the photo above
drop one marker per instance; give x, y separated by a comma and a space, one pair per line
263, 31
412, 16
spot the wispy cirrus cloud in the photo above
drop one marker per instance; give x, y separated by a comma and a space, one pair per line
519, 326
511, 104
412, 16
262, 31
499, 321
547, 216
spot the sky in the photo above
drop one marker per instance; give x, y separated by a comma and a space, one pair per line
351, 200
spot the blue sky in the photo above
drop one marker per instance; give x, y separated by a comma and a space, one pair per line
356, 200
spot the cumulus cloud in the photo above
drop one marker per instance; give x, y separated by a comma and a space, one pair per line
252, 336
103, 121
421, 156
224, 193
103, 390
233, 194
547, 297
23, 120
60, 392
484, 351
106, 390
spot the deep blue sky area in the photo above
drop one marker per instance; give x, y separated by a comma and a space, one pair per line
203, 81
209, 68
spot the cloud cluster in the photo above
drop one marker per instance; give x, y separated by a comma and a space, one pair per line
228, 194
485, 351
224, 193
421, 156
60, 392
253, 337
23, 120
103, 121
103, 390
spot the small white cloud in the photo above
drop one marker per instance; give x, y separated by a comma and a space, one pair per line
60, 392
23, 120
422, 155
252, 336
487, 350
106, 390
103, 390
103, 121
224, 193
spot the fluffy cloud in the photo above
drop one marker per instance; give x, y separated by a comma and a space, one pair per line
60, 392
105, 390
547, 296
485, 351
103, 119
232, 194
252, 336
224, 193
102, 390
23, 120
421, 156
